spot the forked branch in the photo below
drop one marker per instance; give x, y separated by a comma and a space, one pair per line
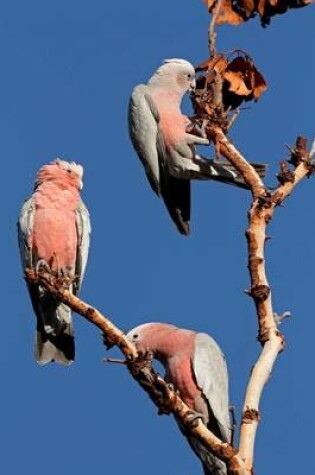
261, 212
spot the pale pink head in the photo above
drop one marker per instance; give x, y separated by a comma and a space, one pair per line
157, 338
176, 74
69, 173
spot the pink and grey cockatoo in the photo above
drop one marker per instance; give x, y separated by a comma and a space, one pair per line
160, 136
54, 232
196, 367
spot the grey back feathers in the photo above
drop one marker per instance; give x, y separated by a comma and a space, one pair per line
212, 377
143, 130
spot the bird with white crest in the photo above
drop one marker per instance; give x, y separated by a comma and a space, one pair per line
54, 234
160, 135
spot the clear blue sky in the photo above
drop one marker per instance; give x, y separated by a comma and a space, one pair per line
67, 70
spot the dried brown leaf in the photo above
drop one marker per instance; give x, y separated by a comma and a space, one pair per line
236, 83
245, 77
228, 14
224, 85
249, 6
261, 7
210, 4
219, 64
236, 12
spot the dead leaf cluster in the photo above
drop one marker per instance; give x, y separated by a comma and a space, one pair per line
224, 83
235, 12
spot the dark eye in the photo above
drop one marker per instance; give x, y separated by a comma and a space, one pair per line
69, 170
135, 337
189, 76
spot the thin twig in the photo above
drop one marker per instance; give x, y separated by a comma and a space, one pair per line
114, 360
211, 31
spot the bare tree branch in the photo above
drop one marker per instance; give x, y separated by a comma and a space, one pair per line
140, 367
260, 214
230, 152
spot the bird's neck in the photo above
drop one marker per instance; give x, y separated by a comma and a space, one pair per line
163, 91
56, 193
168, 343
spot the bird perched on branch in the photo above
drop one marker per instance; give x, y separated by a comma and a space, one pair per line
160, 135
54, 234
196, 367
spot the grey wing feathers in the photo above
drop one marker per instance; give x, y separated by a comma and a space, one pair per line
149, 145
261, 168
212, 378
83, 225
143, 130
175, 192
25, 226
54, 340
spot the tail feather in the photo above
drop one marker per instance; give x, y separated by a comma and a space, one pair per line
260, 168
55, 333
176, 196
59, 349
223, 171
211, 464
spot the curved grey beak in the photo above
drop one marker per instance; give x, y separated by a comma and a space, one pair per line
192, 87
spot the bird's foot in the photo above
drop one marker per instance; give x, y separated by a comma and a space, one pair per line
192, 418
197, 128
42, 266
201, 130
65, 278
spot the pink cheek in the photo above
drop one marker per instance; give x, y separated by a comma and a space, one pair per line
181, 81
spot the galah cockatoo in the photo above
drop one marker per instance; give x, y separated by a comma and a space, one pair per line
54, 232
160, 135
196, 367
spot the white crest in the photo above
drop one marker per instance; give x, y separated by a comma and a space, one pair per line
75, 167
178, 61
